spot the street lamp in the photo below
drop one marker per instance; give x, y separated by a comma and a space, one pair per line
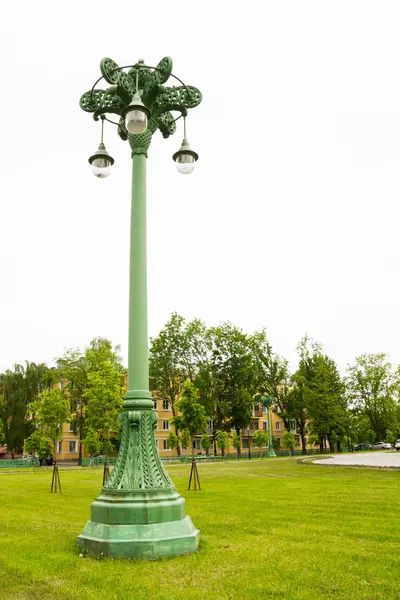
267, 401
101, 161
138, 512
185, 158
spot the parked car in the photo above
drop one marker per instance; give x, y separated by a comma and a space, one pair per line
49, 461
397, 445
361, 447
380, 446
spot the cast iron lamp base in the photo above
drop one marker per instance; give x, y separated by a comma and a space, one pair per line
139, 513
139, 524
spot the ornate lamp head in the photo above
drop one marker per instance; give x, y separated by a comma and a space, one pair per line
135, 95
185, 158
101, 161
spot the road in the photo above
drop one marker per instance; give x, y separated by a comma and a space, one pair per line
379, 458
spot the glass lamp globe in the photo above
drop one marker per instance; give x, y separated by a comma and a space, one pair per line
101, 167
136, 115
136, 121
185, 163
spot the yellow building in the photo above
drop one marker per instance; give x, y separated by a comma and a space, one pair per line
68, 446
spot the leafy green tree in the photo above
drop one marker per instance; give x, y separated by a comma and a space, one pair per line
50, 411
192, 416
325, 399
205, 443
373, 391
222, 441
313, 438
390, 437
260, 440
172, 440
92, 442
272, 373
184, 439
289, 441
236, 443
168, 363
104, 403
74, 368
38, 444
276, 444
18, 389
227, 379
2, 413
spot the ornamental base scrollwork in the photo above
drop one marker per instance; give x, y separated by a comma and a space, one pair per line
138, 466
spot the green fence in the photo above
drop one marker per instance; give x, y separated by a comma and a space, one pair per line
18, 463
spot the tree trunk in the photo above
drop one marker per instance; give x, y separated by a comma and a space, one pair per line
238, 450
215, 443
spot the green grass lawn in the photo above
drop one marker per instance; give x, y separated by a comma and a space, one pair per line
269, 529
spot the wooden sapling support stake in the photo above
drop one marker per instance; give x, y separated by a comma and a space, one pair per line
194, 474
106, 472
55, 482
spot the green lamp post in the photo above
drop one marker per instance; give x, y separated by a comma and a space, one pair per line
138, 512
268, 403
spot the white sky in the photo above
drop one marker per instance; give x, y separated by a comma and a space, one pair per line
291, 218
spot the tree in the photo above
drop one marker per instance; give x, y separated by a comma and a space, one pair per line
168, 368
260, 440
18, 389
272, 372
325, 399
172, 440
74, 368
236, 443
38, 444
373, 391
289, 441
192, 416
92, 442
222, 438
390, 437
184, 439
227, 378
104, 403
50, 411
276, 444
205, 443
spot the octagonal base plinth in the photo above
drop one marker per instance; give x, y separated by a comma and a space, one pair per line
147, 525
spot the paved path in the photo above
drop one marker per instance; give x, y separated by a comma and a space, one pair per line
379, 458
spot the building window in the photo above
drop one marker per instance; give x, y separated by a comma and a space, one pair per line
265, 425
165, 424
155, 404
196, 444
72, 446
210, 424
254, 425
245, 443
165, 404
165, 447
72, 426
277, 426
59, 447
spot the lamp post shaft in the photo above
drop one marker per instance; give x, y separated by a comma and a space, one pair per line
271, 451
138, 363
